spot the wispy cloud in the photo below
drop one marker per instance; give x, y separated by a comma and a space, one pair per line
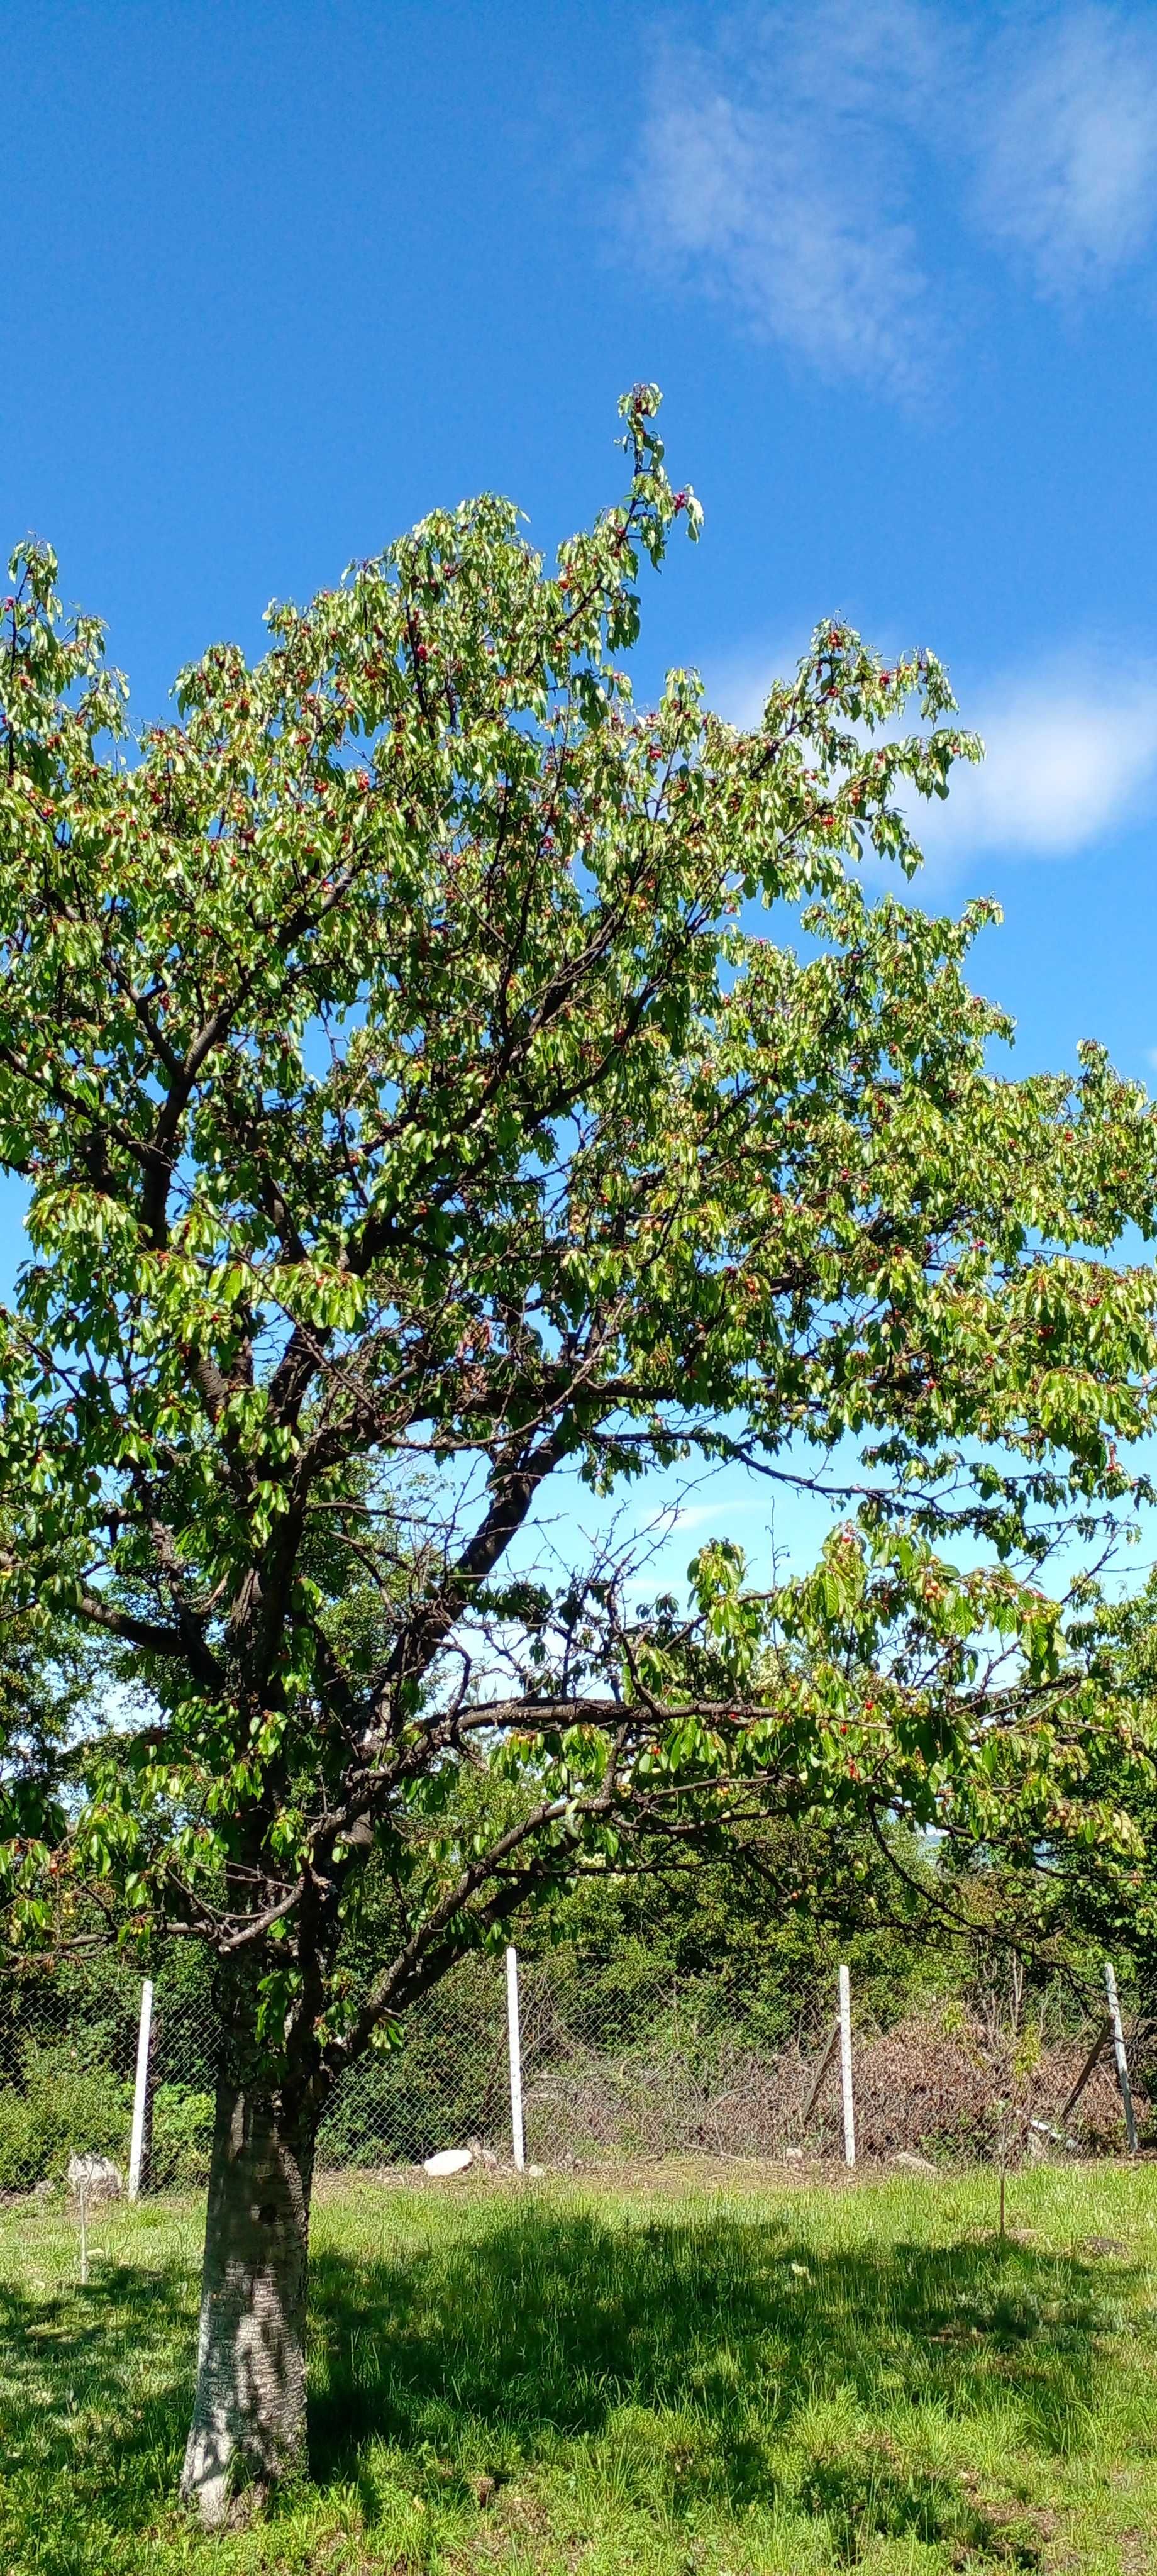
782, 192
1068, 163
801, 164
691, 1516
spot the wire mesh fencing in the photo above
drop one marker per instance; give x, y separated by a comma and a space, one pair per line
613, 2069
68, 2052
68, 2049
703, 2080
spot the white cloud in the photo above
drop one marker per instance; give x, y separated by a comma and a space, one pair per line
1069, 154
1070, 753
812, 164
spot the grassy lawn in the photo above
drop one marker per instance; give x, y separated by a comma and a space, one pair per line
680, 2379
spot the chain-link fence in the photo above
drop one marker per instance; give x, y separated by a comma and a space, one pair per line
697, 2076
68, 2055
613, 2068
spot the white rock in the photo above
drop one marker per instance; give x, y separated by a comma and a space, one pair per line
536, 2172
96, 2176
914, 2164
793, 2155
449, 2160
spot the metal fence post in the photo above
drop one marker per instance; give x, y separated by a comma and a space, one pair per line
141, 2092
846, 2067
515, 2043
1119, 2054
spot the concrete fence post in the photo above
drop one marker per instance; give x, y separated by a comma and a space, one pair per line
846, 2067
514, 2039
1122, 2061
137, 2157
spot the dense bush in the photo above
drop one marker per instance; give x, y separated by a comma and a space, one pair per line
59, 2106
182, 2136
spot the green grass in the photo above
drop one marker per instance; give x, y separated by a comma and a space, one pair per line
672, 2379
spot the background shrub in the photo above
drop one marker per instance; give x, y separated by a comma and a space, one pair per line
182, 2137
59, 2107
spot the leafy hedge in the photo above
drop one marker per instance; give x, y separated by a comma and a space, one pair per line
60, 2107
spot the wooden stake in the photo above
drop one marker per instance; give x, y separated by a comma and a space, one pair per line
1093, 2059
830, 2046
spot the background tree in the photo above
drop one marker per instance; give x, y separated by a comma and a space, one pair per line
1053, 1885
416, 1109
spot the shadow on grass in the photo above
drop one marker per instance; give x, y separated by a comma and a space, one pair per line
96, 2335
738, 2362
722, 2361
97, 2386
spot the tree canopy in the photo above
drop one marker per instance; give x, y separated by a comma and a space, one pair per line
419, 1101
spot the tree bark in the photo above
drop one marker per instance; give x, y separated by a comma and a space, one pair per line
248, 2428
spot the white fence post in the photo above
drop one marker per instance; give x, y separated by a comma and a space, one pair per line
846, 2067
141, 2090
515, 2041
1119, 2054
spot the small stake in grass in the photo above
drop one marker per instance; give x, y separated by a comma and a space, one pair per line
515, 2043
1003, 2109
83, 2198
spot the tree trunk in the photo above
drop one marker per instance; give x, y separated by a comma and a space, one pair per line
248, 2428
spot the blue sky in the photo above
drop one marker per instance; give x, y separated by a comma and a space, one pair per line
274, 279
